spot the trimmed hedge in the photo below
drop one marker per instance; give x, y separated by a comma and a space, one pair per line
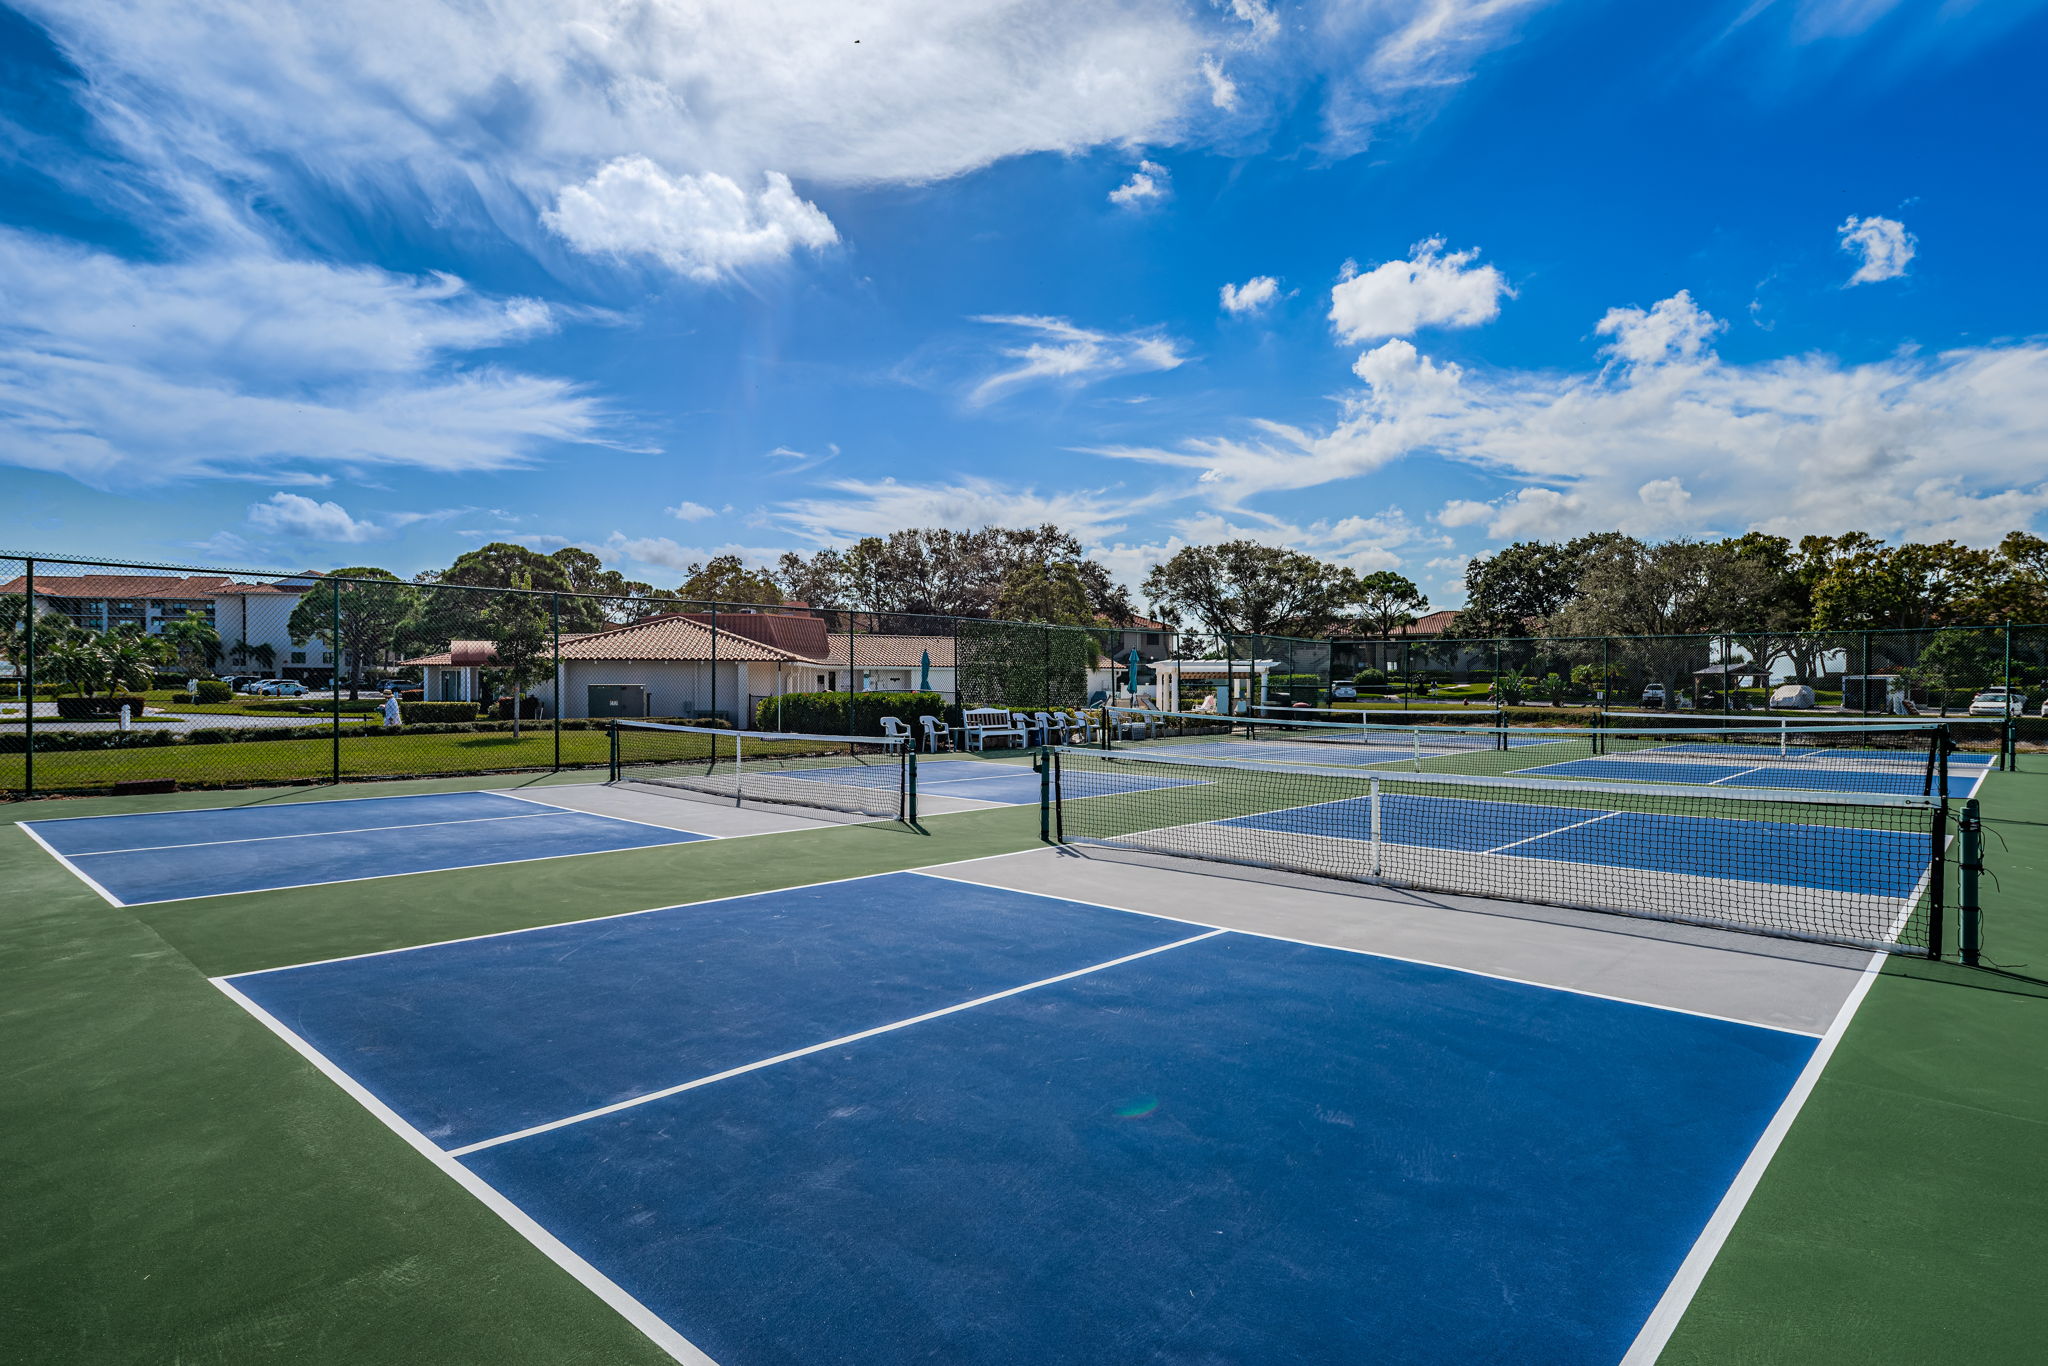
288, 707
100, 708
213, 690
529, 709
826, 713
419, 713
72, 741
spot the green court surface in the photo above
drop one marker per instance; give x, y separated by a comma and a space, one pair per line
181, 1187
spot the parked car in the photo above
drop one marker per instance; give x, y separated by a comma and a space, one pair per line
286, 687
1653, 695
1999, 702
230, 679
261, 687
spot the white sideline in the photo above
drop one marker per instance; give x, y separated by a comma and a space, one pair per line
632, 1310
1656, 1331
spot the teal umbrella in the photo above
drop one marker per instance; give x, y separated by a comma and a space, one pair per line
924, 672
1132, 662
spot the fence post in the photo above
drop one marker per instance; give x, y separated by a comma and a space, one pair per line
1606, 674
334, 674
714, 668
1727, 650
28, 756
2008, 744
555, 657
1863, 690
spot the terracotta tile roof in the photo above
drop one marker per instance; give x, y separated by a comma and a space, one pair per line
140, 586
677, 639
890, 652
1137, 624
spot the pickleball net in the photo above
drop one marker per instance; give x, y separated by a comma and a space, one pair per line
1892, 757
1841, 868
865, 775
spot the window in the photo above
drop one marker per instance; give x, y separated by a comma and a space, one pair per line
298, 656
1151, 637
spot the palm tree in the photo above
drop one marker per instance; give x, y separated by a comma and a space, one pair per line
130, 658
194, 641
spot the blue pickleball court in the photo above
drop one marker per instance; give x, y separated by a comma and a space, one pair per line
172, 855
907, 1118
1660, 766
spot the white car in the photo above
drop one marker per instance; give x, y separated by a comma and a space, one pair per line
1999, 702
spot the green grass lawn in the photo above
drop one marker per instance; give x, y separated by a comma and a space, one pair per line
288, 761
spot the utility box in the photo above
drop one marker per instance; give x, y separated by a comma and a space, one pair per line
617, 701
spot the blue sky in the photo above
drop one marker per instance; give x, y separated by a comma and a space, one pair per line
1394, 283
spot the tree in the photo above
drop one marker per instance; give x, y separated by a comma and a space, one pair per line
939, 571
121, 658
1517, 591
1678, 590
1244, 588
621, 600
372, 620
2018, 587
1965, 660
520, 627
193, 642
51, 627
1052, 592
1386, 603
726, 578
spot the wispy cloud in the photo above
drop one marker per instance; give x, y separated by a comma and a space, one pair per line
1149, 185
1065, 353
1251, 296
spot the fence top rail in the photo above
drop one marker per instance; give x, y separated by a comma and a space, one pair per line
1381, 721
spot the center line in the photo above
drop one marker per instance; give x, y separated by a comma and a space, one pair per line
666, 1092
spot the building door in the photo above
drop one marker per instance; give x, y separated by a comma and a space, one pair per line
615, 700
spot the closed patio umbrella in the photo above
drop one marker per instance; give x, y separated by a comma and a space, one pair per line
924, 672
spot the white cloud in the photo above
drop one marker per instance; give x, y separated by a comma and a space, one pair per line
1222, 90
1673, 329
1251, 296
1148, 185
704, 226
1883, 243
687, 511
1396, 298
1066, 353
1675, 440
121, 373
292, 514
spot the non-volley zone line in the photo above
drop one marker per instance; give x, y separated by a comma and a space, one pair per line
1902, 780
151, 857
1577, 1146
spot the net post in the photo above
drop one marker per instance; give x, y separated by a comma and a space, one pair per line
1969, 912
909, 781
613, 756
2007, 757
1376, 843
1045, 796
739, 767
1937, 881
334, 675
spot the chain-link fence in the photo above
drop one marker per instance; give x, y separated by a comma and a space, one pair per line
127, 677
1936, 671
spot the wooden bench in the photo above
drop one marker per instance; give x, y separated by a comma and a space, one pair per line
979, 724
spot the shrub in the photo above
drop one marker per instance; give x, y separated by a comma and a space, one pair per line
99, 708
415, 713
1370, 678
827, 713
413, 695
213, 690
529, 708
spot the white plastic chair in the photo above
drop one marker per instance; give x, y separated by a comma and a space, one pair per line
895, 729
936, 736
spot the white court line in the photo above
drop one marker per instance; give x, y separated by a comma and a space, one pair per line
1656, 1331
425, 872
1604, 816
316, 834
632, 1310
71, 867
1371, 953
1740, 773
666, 1092
311, 801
